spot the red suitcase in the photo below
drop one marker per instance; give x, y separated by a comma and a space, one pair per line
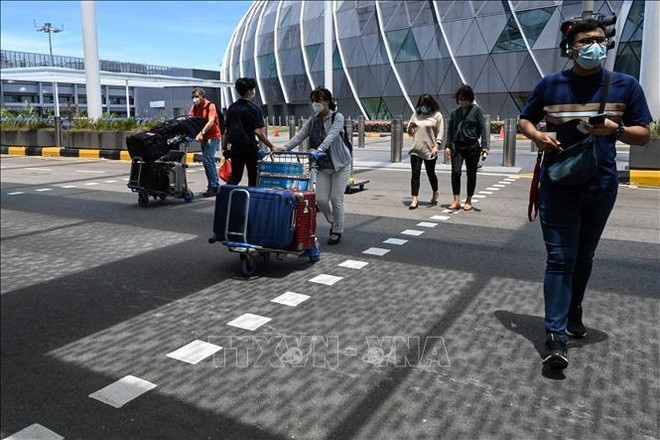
305, 221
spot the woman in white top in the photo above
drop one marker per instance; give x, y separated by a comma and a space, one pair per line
427, 127
324, 132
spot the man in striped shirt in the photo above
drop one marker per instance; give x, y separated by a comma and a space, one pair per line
573, 217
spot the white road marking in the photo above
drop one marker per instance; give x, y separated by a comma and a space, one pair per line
504, 182
39, 169
109, 181
119, 393
447, 211
490, 188
68, 186
376, 251
90, 171
43, 189
396, 241
90, 183
412, 232
440, 217
511, 179
485, 192
477, 196
35, 432
328, 280
353, 264
194, 352
249, 321
15, 193
498, 185
126, 178
291, 299
426, 224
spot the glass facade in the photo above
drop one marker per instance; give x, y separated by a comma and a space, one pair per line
387, 53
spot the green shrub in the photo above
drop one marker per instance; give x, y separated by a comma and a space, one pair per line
655, 130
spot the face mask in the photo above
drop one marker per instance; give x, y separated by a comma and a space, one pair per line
590, 57
196, 100
423, 109
317, 107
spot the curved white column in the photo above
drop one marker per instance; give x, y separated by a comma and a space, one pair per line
381, 26
343, 64
650, 63
524, 37
308, 68
232, 42
276, 49
257, 69
250, 13
449, 48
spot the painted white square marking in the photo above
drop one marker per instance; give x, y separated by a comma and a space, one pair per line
109, 181
15, 193
485, 192
249, 321
39, 169
396, 241
499, 185
490, 188
328, 280
35, 432
126, 178
426, 224
504, 182
124, 390
376, 251
414, 232
440, 217
90, 183
194, 352
43, 189
68, 186
511, 179
353, 264
447, 211
291, 299
477, 196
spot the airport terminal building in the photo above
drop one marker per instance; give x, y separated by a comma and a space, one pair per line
387, 53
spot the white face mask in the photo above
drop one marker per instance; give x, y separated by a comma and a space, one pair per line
196, 100
317, 107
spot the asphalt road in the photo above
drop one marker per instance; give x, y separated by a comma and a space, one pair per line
439, 337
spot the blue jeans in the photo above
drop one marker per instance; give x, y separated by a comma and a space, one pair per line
572, 221
208, 151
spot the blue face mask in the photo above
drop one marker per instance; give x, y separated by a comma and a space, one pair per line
424, 109
590, 57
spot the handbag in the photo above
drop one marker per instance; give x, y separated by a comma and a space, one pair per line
316, 136
579, 162
224, 170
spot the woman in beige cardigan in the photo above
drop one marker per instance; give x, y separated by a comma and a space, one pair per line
427, 127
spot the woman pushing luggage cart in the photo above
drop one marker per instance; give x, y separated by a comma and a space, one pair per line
276, 217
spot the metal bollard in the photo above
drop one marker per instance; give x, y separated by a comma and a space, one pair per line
397, 139
509, 153
58, 131
304, 145
348, 127
361, 129
292, 126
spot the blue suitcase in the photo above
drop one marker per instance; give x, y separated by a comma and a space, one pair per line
270, 216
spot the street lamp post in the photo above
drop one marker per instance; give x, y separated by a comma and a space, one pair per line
50, 29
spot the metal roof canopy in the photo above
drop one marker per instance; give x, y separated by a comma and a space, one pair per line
74, 76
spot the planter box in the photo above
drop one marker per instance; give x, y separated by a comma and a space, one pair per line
28, 138
646, 157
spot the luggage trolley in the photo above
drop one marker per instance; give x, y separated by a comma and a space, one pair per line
289, 176
162, 178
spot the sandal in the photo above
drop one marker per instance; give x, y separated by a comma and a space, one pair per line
334, 240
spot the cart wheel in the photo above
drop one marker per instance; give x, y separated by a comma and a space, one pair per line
143, 199
247, 265
265, 256
162, 197
188, 196
314, 253
362, 187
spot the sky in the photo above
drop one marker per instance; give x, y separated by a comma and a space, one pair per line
190, 34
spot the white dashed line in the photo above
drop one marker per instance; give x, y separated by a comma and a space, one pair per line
39, 169
486, 192
328, 280
68, 186
126, 178
477, 196
447, 211
396, 241
440, 217
35, 431
353, 264
15, 193
426, 224
90, 171
504, 182
412, 232
490, 188
376, 251
43, 189
511, 179
248, 321
194, 352
109, 181
90, 183
291, 299
124, 390
498, 185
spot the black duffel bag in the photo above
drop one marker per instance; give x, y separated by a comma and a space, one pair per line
174, 131
147, 145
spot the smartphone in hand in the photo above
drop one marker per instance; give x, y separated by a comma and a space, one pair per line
597, 119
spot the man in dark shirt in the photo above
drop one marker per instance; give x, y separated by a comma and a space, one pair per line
244, 130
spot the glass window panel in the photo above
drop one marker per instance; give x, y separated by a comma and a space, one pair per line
312, 51
336, 60
510, 39
396, 39
409, 50
366, 16
533, 22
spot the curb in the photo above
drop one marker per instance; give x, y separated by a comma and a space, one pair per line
76, 152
